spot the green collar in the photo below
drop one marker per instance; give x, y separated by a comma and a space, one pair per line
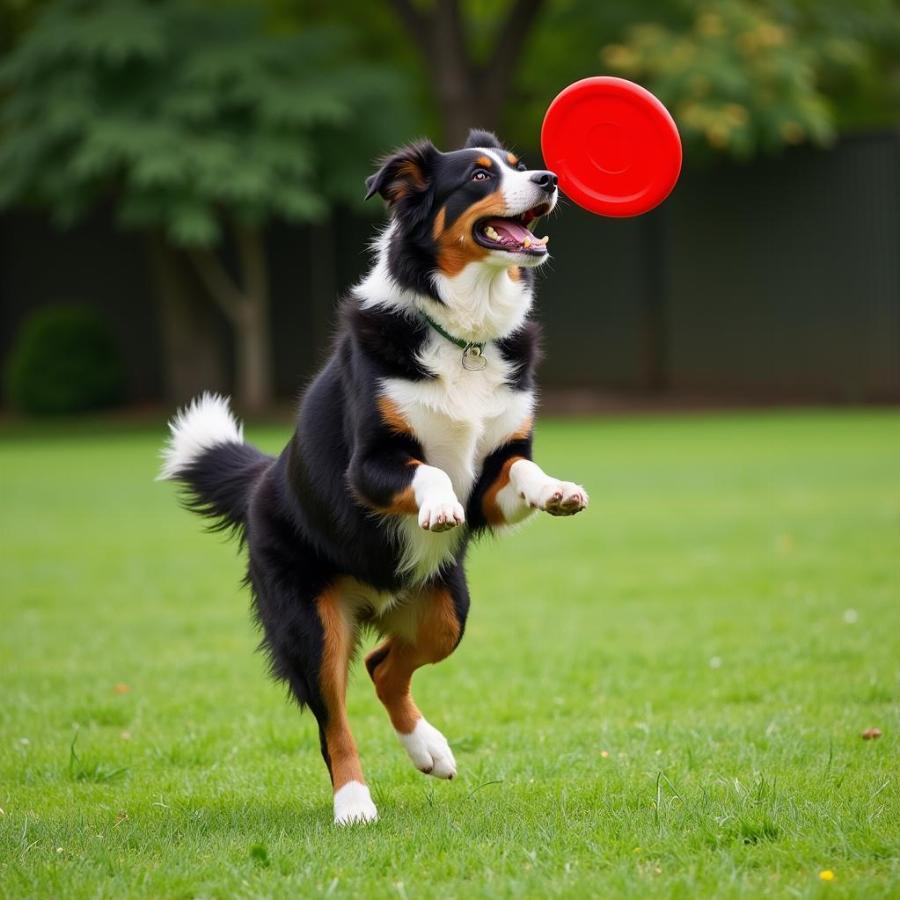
463, 345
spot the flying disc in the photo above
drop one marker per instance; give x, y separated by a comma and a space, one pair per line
613, 145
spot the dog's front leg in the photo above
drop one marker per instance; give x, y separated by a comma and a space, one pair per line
514, 487
395, 482
529, 484
439, 508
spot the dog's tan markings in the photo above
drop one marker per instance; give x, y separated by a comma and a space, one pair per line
337, 647
493, 515
456, 246
439, 220
392, 417
411, 171
515, 273
484, 161
512, 159
392, 664
523, 431
406, 176
403, 503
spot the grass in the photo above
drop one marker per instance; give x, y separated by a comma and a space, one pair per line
664, 696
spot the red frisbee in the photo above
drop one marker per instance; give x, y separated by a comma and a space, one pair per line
613, 145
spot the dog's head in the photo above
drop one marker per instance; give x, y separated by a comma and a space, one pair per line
475, 206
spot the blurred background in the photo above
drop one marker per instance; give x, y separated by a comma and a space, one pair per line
181, 191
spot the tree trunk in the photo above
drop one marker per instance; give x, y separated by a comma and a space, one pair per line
247, 308
193, 351
468, 94
253, 334
253, 363
497, 75
452, 76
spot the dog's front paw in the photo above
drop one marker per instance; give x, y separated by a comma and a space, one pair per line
429, 751
561, 498
441, 514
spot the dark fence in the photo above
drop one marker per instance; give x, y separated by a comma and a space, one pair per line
781, 278
778, 279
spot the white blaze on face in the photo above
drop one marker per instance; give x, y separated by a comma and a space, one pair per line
520, 193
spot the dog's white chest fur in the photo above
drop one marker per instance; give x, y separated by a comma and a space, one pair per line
459, 417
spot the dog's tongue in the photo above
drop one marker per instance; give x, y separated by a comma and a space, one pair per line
511, 230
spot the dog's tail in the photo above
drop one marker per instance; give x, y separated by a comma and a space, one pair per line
206, 453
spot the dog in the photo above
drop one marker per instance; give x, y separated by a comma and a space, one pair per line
413, 439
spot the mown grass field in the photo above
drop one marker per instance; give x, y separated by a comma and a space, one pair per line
661, 697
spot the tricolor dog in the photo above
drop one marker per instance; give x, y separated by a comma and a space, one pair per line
414, 438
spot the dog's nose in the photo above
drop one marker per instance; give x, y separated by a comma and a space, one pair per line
545, 180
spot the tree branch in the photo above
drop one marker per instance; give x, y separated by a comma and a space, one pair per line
467, 94
452, 72
251, 247
513, 34
217, 281
497, 74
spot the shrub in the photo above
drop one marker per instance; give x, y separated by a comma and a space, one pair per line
64, 361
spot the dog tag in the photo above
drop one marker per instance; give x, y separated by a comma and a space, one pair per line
473, 359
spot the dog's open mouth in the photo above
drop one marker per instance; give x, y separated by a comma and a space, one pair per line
512, 234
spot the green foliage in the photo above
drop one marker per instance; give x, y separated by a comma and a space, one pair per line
64, 361
744, 77
186, 115
837, 67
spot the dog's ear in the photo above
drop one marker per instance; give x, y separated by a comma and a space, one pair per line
479, 138
405, 173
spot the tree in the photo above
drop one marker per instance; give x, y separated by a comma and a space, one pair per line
470, 89
822, 65
748, 76
198, 127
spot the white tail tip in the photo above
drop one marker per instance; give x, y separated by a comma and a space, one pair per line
205, 422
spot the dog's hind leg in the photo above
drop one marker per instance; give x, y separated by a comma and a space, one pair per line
311, 640
425, 630
352, 801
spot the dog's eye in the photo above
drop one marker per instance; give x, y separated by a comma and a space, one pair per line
480, 175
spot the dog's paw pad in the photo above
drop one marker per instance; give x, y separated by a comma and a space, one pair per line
441, 515
429, 751
563, 498
353, 803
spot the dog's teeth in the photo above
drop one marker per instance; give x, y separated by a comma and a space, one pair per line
526, 243
491, 232
543, 240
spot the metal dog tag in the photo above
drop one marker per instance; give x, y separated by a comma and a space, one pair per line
473, 360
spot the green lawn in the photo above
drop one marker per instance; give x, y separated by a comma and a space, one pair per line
663, 696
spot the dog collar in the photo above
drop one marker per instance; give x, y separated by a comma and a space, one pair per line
473, 358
